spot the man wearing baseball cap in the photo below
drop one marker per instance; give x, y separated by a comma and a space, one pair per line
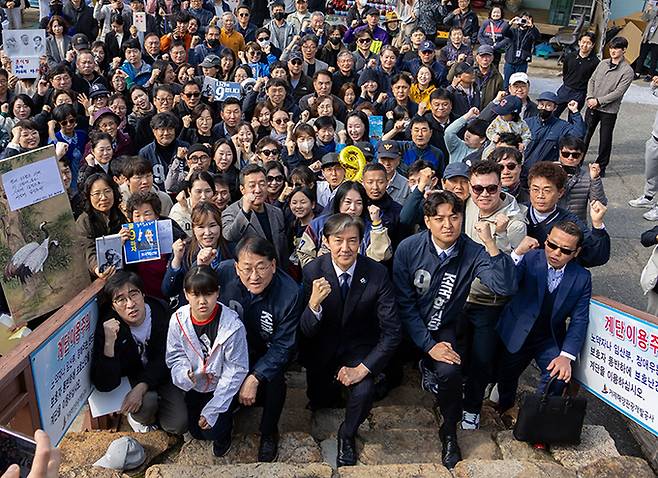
488, 80
372, 25
519, 86
389, 156
427, 57
334, 175
547, 130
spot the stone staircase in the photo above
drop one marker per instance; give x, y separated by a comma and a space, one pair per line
399, 439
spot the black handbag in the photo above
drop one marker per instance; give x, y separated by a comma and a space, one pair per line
550, 420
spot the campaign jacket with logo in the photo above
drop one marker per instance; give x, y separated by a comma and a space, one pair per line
431, 295
270, 318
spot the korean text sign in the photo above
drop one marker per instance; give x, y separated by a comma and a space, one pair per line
619, 363
61, 368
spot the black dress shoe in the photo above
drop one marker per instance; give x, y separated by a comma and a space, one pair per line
450, 454
269, 448
220, 449
346, 455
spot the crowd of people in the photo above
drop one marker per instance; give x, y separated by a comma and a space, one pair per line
463, 248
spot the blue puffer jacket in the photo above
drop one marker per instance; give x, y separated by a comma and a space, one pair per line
271, 318
421, 283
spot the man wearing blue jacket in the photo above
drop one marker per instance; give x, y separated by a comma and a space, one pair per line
432, 274
533, 325
547, 130
269, 303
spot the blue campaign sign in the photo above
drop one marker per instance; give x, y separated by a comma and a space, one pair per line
227, 89
143, 244
61, 369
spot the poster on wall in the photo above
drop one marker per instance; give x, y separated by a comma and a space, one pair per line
619, 363
61, 368
41, 267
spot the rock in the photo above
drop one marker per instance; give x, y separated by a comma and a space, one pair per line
296, 380
426, 470
510, 469
82, 449
247, 420
478, 444
399, 417
325, 423
384, 447
408, 395
596, 443
294, 447
91, 472
329, 449
295, 398
490, 418
512, 449
251, 470
614, 467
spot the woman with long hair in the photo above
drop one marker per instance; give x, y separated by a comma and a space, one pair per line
57, 41
351, 198
101, 217
225, 159
200, 187
198, 128
422, 87
206, 247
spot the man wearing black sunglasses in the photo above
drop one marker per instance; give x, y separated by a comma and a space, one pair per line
533, 325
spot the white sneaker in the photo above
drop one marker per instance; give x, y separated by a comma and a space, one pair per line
138, 427
651, 215
642, 201
470, 421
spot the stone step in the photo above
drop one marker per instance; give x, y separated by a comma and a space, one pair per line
408, 395
296, 379
247, 420
424, 470
325, 423
294, 448
510, 469
595, 444
251, 470
401, 417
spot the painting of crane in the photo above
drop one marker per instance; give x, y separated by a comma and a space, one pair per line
41, 268
30, 258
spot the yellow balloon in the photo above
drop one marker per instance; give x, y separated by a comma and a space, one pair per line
353, 160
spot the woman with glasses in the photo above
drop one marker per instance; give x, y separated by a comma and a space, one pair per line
107, 121
101, 217
280, 120
199, 187
268, 150
257, 61
25, 137
351, 198
324, 107
205, 247
275, 175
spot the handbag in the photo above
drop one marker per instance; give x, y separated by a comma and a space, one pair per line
549, 419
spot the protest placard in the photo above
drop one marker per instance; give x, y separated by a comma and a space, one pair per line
143, 244
25, 47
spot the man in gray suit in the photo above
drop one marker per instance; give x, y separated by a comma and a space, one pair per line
251, 215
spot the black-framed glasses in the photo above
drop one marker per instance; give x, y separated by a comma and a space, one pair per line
133, 294
509, 166
364, 40
490, 188
275, 179
68, 121
279, 121
269, 152
263, 39
296, 62
571, 154
243, 14
194, 94
552, 246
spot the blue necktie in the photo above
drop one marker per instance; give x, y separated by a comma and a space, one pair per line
344, 285
442, 257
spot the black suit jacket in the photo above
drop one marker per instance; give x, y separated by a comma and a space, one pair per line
363, 329
112, 45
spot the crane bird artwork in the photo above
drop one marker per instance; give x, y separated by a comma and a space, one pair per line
30, 258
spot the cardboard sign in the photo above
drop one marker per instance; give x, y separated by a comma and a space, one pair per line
32, 183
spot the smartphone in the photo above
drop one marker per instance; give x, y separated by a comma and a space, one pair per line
16, 448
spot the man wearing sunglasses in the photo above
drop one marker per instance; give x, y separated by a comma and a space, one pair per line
533, 325
510, 159
584, 184
476, 328
191, 96
547, 183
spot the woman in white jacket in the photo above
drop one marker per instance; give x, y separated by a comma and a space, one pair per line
208, 358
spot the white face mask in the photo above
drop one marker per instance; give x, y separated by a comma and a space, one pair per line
305, 146
363, 3
263, 43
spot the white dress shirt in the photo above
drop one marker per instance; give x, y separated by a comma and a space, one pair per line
339, 272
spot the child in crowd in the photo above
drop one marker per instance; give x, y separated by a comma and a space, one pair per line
509, 121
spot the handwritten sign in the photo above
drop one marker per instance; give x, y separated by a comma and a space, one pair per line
61, 368
25, 67
619, 363
32, 183
24, 47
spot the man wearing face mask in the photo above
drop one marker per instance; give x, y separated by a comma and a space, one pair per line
211, 46
282, 32
547, 130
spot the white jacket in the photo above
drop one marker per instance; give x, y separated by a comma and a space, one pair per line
222, 372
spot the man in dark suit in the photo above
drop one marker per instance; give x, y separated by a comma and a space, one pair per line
533, 325
350, 325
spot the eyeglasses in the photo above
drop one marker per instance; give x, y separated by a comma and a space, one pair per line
198, 159
68, 121
106, 193
254, 52
243, 15
194, 94
296, 62
364, 40
490, 188
164, 99
275, 179
269, 152
279, 121
571, 154
260, 269
509, 166
133, 295
552, 246
262, 39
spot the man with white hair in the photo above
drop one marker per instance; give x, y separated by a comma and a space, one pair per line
229, 36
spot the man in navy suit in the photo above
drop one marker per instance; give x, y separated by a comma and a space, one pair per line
350, 327
533, 325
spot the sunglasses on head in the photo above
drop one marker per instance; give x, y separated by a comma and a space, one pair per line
571, 154
509, 166
269, 152
552, 246
478, 189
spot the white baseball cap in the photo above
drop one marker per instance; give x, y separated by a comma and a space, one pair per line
124, 453
519, 77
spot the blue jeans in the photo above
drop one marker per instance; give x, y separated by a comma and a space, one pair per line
510, 69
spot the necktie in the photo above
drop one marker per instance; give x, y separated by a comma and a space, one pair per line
442, 257
344, 285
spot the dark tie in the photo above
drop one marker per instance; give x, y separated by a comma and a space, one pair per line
442, 257
344, 285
